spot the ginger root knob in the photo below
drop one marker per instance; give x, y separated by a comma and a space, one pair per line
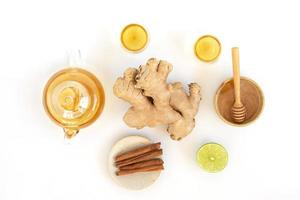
155, 102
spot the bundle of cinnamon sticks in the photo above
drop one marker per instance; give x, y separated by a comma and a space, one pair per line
143, 159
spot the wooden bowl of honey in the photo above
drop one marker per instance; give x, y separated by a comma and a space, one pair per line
251, 96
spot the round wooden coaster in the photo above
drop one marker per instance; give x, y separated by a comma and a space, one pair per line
135, 181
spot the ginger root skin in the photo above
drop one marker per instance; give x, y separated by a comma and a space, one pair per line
155, 102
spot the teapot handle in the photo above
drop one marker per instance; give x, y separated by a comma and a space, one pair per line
75, 58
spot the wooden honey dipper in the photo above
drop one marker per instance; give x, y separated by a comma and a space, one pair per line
238, 110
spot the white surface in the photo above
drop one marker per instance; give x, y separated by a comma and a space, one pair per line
35, 161
135, 181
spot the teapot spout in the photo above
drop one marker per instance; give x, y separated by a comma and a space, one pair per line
70, 132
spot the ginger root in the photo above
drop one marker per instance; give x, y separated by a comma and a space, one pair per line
155, 102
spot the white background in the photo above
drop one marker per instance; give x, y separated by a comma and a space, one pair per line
37, 163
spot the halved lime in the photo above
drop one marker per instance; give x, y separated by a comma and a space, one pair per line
212, 157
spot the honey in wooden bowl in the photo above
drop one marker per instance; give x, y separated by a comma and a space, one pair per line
251, 96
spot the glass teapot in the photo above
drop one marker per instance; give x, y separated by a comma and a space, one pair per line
73, 98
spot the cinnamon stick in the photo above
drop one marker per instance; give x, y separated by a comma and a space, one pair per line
138, 151
139, 158
142, 169
151, 162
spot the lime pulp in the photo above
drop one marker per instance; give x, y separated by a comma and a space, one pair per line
212, 157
